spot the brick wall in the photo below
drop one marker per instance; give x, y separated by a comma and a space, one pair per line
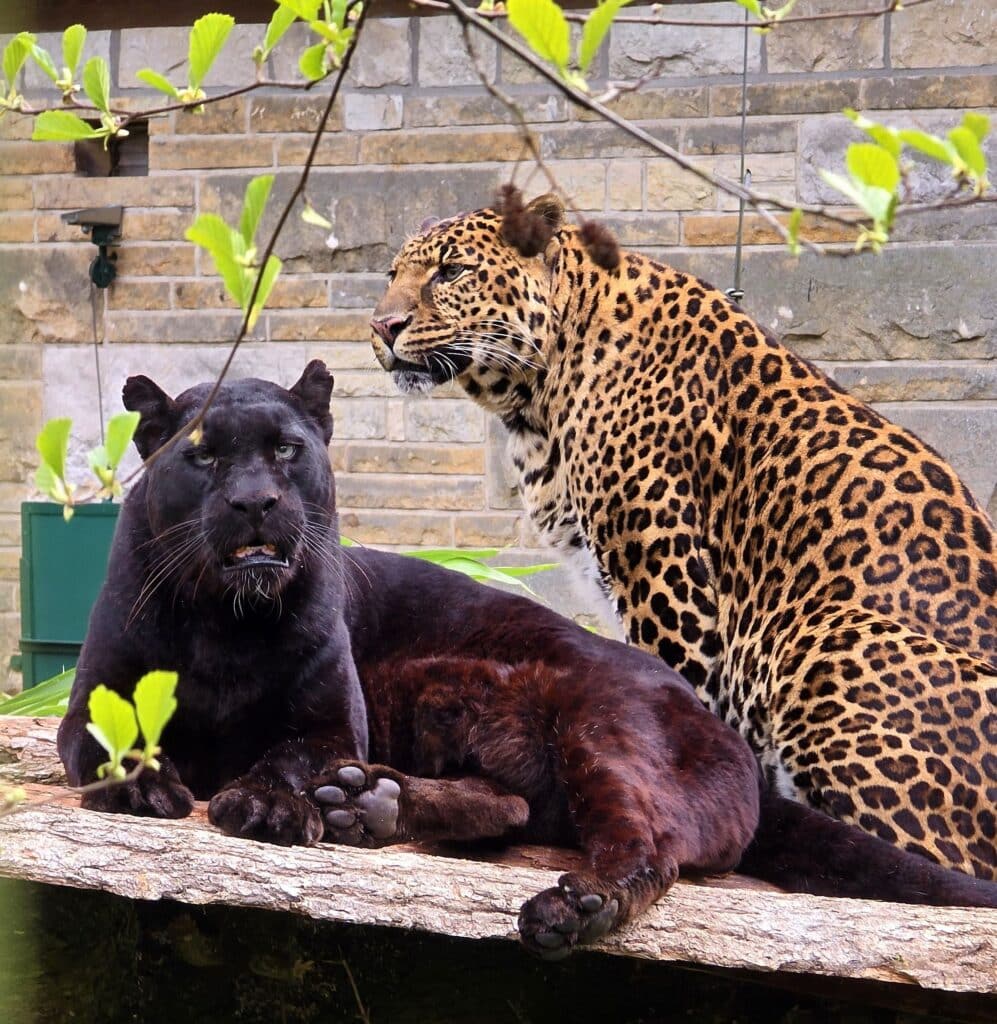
913, 331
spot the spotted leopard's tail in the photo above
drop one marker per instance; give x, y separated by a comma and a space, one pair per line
802, 850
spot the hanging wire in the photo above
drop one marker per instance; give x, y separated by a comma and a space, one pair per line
737, 292
96, 358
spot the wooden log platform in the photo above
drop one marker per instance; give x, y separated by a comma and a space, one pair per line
732, 923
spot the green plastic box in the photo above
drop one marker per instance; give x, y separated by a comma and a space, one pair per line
62, 568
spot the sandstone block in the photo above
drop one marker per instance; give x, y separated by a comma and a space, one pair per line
20, 362
501, 482
840, 45
36, 157
17, 227
443, 420
643, 229
929, 91
373, 383
442, 58
673, 188
171, 153
20, 421
487, 531
583, 181
355, 290
408, 529
387, 490
222, 118
950, 33
136, 295
762, 135
443, 110
369, 112
156, 190
293, 150
655, 103
15, 193
431, 147
15, 126
692, 51
604, 140
359, 418
44, 293
911, 381
175, 326
291, 112
165, 51
785, 98
155, 259
383, 55
626, 185
414, 458
324, 325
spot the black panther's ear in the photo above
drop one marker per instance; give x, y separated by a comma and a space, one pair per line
157, 409
313, 391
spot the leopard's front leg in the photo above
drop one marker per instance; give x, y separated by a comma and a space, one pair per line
372, 805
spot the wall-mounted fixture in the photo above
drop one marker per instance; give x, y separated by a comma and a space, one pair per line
103, 225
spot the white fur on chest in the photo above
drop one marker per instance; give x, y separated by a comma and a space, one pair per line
556, 522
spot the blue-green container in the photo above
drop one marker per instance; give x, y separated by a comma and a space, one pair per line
62, 568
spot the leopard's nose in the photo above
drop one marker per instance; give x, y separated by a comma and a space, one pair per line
389, 327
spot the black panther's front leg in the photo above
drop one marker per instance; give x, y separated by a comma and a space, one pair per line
273, 801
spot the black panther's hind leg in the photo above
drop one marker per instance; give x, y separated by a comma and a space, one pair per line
803, 850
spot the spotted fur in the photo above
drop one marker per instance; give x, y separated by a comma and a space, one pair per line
818, 573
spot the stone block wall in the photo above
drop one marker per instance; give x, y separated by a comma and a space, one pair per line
414, 135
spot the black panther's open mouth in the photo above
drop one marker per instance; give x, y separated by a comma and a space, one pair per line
255, 556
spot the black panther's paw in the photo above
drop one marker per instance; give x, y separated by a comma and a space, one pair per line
360, 804
269, 815
556, 920
153, 794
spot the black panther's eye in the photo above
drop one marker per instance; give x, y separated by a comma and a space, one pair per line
202, 457
285, 451
450, 272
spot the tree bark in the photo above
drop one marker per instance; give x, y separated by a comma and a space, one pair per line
735, 925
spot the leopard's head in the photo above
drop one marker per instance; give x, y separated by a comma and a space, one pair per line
243, 505
469, 300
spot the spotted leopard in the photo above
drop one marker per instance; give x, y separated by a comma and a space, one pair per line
819, 574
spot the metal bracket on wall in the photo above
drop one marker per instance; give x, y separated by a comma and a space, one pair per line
103, 225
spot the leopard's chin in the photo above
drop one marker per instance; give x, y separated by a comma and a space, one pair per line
414, 381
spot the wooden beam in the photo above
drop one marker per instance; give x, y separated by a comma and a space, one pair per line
55, 842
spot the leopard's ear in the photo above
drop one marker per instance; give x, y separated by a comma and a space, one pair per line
313, 391
157, 410
550, 208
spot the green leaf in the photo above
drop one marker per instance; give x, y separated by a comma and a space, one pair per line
157, 81
155, 703
120, 431
311, 216
62, 126
53, 444
45, 62
543, 25
526, 570
112, 723
967, 145
931, 145
752, 6
978, 124
876, 202
15, 53
49, 697
207, 38
253, 205
872, 165
306, 10
596, 26
441, 555
97, 83
72, 47
282, 20
213, 234
270, 272
793, 228
312, 62
888, 138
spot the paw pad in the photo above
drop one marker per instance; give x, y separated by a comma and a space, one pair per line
358, 806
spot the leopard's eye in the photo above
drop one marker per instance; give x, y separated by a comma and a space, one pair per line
285, 451
450, 272
202, 457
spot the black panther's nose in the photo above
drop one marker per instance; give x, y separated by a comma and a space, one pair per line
255, 507
389, 327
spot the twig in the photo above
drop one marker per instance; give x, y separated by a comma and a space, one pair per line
297, 191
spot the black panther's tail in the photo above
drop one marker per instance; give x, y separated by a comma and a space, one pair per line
802, 850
